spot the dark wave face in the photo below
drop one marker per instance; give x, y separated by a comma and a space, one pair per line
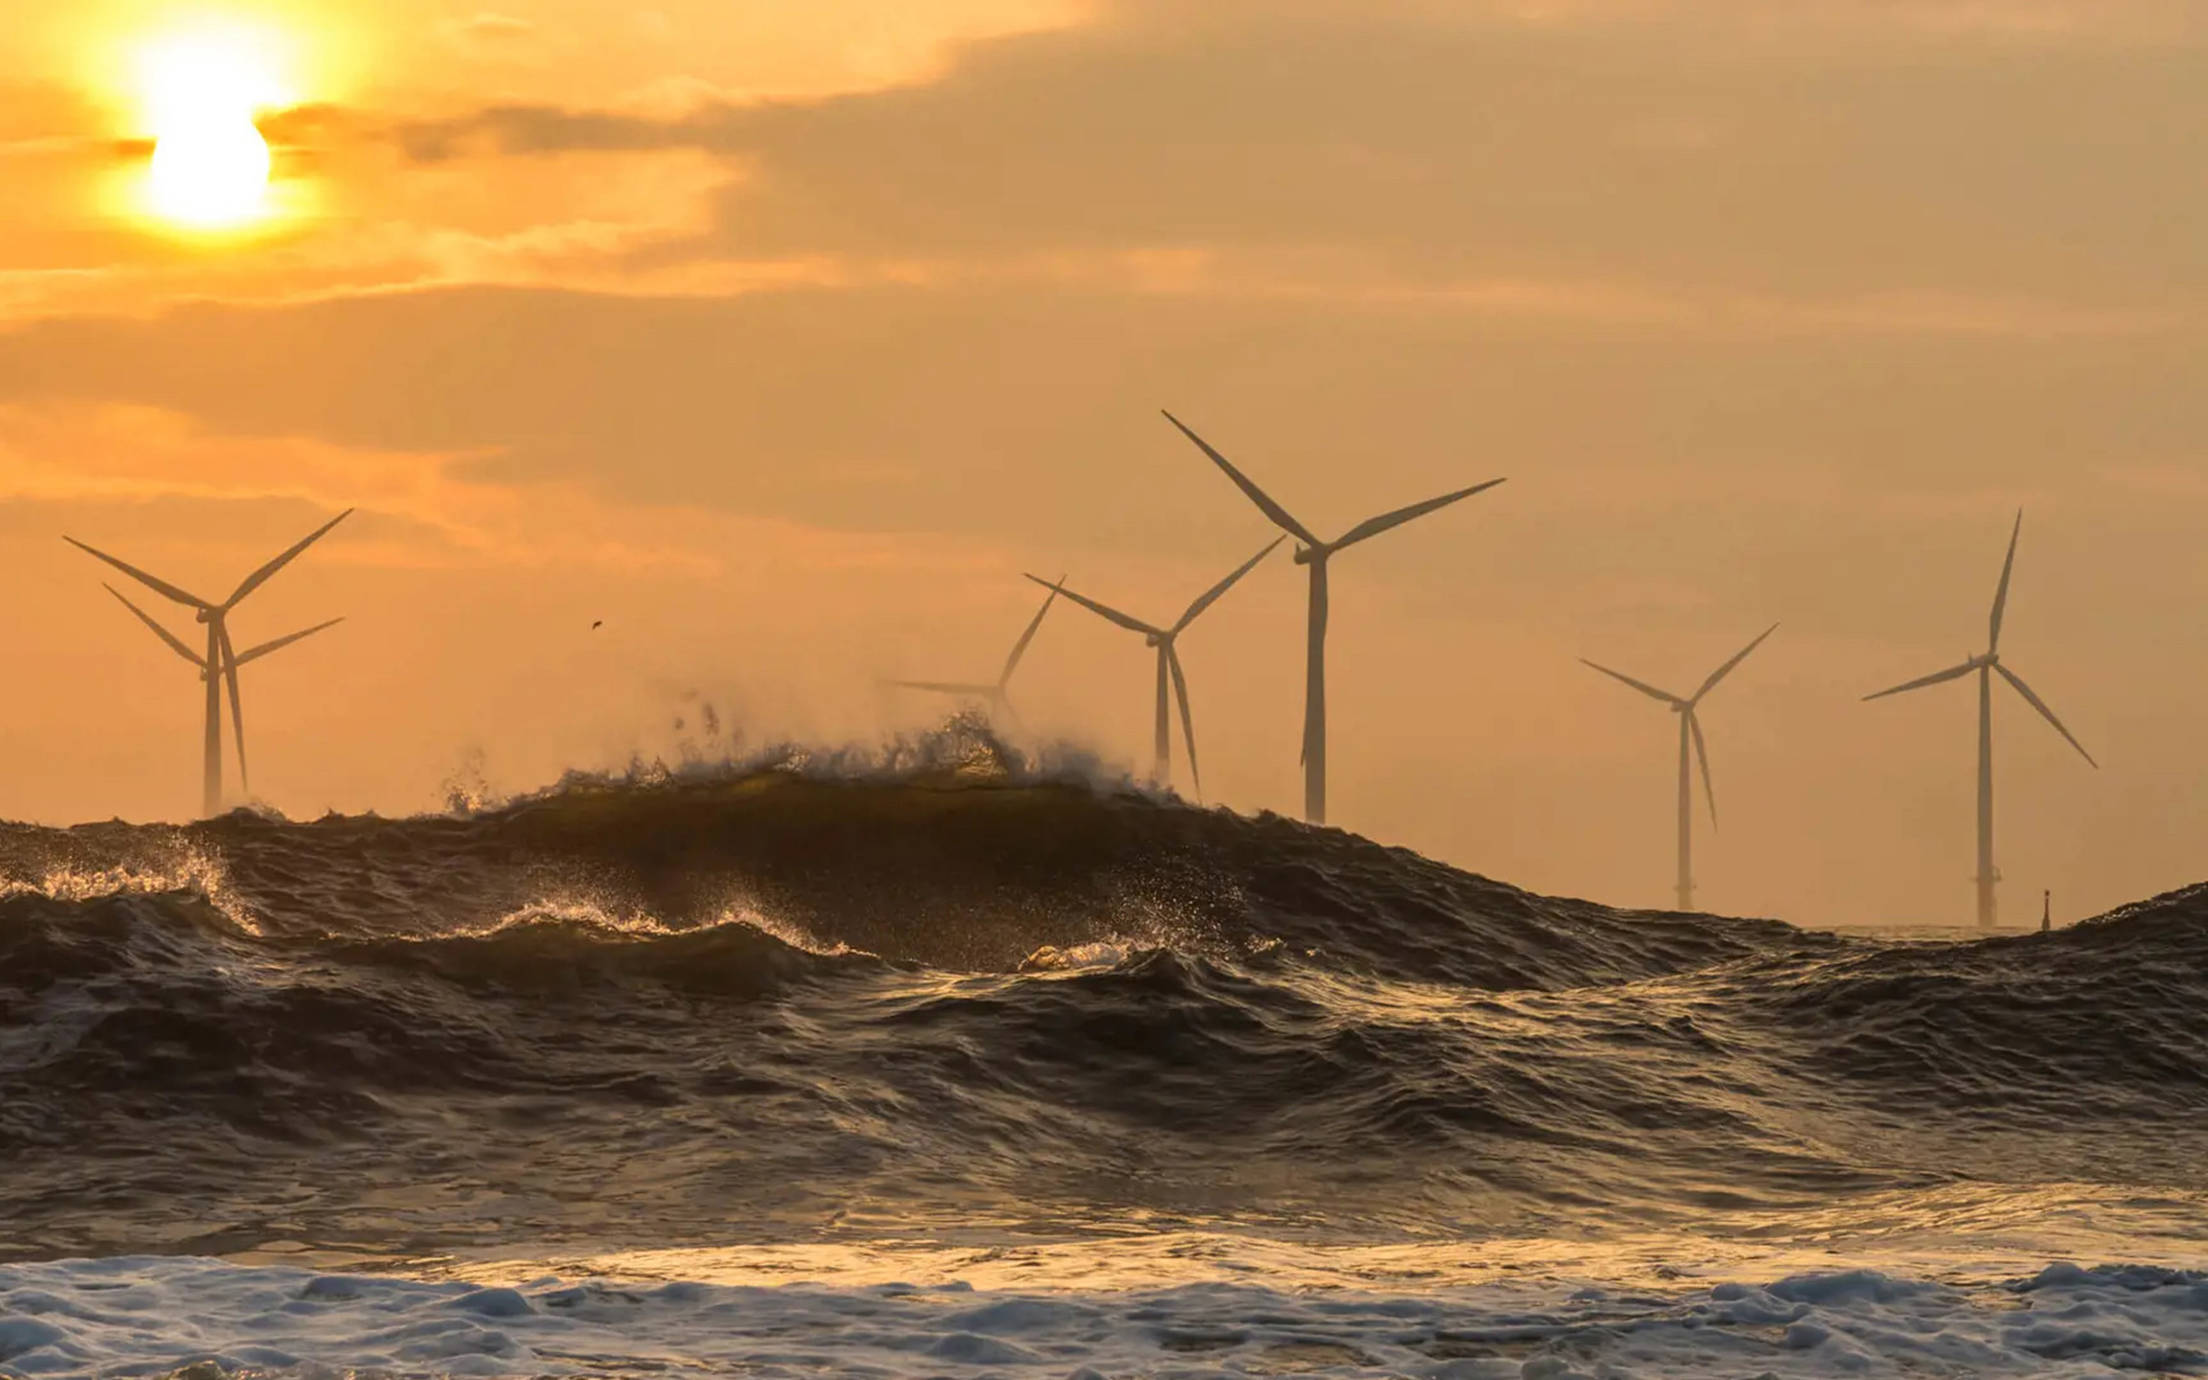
788, 1006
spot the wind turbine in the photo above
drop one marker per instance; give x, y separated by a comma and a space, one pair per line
1690, 727
1169, 660
220, 654
996, 695
1315, 553
237, 711
1987, 664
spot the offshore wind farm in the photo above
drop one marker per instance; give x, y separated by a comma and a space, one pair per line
220, 663
729, 900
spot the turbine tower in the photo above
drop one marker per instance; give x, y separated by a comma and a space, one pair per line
1315, 554
996, 695
1690, 727
220, 653
1987, 664
1169, 661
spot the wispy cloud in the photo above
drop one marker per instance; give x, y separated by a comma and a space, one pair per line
2128, 21
127, 454
433, 510
489, 26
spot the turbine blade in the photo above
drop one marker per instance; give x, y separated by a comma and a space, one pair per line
260, 577
1644, 687
176, 644
1211, 596
278, 643
237, 709
1738, 657
1019, 648
1951, 673
1702, 755
152, 582
2001, 595
1003, 702
1188, 722
2041, 705
1125, 620
1373, 527
948, 687
1264, 502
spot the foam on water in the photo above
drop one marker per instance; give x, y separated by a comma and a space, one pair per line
179, 868
1032, 1077
144, 1315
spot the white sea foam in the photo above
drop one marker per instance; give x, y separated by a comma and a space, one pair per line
964, 745
154, 1315
184, 868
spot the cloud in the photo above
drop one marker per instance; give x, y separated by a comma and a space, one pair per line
2183, 482
429, 512
358, 223
487, 26
135, 454
420, 511
1892, 22
537, 129
890, 302
1465, 152
1028, 405
1414, 158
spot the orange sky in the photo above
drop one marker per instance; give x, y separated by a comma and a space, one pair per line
783, 338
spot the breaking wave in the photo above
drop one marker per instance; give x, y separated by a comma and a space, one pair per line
713, 1003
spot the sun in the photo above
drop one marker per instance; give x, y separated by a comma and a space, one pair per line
210, 175
202, 91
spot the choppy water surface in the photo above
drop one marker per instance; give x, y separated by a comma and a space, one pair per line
879, 1031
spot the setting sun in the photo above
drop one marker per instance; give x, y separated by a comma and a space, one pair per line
210, 165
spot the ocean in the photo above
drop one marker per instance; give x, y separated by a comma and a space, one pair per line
966, 1068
